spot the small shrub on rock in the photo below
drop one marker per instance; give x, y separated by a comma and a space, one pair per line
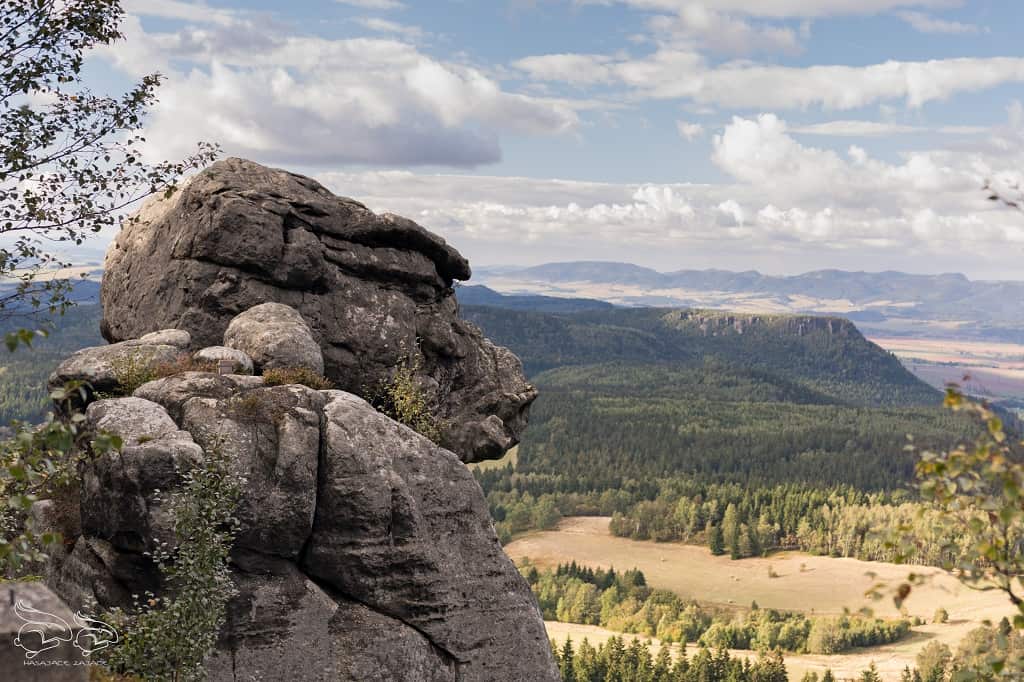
135, 369
283, 376
404, 400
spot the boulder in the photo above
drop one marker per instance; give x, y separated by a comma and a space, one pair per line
240, 362
104, 368
172, 392
375, 290
119, 499
179, 338
275, 336
401, 523
272, 436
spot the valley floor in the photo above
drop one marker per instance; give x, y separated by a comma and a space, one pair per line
812, 584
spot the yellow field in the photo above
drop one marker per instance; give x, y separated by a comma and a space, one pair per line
995, 370
805, 583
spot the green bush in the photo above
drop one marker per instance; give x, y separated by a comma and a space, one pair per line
403, 399
168, 637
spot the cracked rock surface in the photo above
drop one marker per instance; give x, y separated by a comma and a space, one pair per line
375, 290
366, 551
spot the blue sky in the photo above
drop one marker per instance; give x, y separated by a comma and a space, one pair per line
781, 135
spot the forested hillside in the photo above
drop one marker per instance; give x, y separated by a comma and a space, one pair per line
828, 356
23, 373
639, 405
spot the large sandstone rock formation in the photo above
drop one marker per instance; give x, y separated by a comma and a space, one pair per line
375, 289
366, 551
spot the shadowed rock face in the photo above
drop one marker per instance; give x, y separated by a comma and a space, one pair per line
376, 290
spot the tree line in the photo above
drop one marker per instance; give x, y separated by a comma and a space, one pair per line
623, 602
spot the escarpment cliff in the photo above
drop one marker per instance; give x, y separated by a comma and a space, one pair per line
376, 291
366, 551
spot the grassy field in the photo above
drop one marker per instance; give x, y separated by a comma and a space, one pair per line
806, 583
996, 370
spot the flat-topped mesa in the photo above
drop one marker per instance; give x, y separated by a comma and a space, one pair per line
376, 291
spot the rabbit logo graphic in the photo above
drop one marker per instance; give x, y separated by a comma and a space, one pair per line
43, 631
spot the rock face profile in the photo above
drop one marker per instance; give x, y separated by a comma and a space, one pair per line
375, 290
365, 552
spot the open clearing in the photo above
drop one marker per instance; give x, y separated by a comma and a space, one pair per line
807, 583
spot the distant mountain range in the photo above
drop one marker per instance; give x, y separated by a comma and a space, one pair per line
882, 302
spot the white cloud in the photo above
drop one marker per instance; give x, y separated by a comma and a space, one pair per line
373, 4
760, 152
925, 23
575, 69
671, 73
723, 33
786, 199
856, 128
296, 99
689, 131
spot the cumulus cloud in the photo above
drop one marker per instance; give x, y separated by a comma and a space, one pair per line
787, 199
287, 98
761, 152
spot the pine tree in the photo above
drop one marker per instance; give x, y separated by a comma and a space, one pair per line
731, 531
871, 674
662, 665
715, 540
565, 661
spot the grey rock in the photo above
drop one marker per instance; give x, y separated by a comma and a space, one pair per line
280, 612
135, 420
45, 516
401, 523
241, 361
179, 338
99, 366
376, 291
43, 614
172, 392
357, 534
97, 576
275, 335
119, 500
272, 435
